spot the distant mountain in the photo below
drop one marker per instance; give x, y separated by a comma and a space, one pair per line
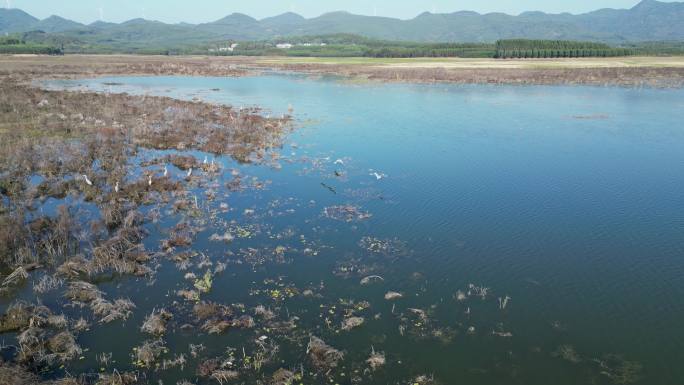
56, 24
649, 20
15, 20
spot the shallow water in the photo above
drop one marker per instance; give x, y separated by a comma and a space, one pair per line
567, 199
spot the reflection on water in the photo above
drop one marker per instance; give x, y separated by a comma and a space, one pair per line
414, 234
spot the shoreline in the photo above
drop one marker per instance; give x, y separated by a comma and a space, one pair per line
656, 72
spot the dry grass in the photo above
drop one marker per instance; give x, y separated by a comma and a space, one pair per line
17, 375
148, 353
155, 323
62, 136
323, 356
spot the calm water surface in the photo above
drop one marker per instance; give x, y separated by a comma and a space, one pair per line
568, 200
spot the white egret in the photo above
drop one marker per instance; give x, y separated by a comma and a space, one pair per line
149, 180
166, 171
88, 182
377, 176
206, 160
116, 187
190, 172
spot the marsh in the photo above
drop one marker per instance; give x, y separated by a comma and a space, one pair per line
512, 238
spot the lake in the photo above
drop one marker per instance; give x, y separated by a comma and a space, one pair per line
480, 235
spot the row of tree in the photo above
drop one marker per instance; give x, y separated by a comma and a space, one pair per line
522, 48
557, 45
558, 53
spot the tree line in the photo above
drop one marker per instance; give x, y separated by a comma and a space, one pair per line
12, 45
523, 48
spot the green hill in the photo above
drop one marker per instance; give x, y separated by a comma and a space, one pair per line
650, 20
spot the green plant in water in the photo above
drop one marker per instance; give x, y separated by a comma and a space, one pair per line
204, 284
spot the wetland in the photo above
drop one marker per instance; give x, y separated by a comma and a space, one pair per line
237, 227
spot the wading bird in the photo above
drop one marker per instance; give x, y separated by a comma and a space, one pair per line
377, 176
149, 180
166, 171
205, 160
116, 187
88, 182
190, 172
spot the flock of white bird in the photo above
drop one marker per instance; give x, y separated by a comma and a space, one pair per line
377, 175
117, 187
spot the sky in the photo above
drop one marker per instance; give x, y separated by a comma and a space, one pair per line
199, 11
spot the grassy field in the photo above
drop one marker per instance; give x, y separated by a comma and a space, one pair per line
609, 62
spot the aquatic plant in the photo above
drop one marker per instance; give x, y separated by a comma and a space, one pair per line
120, 309
352, 322
225, 376
147, 354
62, 348
568, 353
282, 377
376, 360
618, 370
479, 291
47, 283
394, 247
118, 378
203, 285
18, 275
346, 213
18, 316
155, 322
19, 375
323, 356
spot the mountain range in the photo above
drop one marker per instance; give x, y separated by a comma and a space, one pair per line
649, 20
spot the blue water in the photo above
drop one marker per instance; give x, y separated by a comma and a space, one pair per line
567, 199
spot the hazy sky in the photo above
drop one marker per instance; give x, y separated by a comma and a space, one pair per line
195, 11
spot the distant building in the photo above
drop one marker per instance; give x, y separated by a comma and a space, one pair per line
229, 48
284, 46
